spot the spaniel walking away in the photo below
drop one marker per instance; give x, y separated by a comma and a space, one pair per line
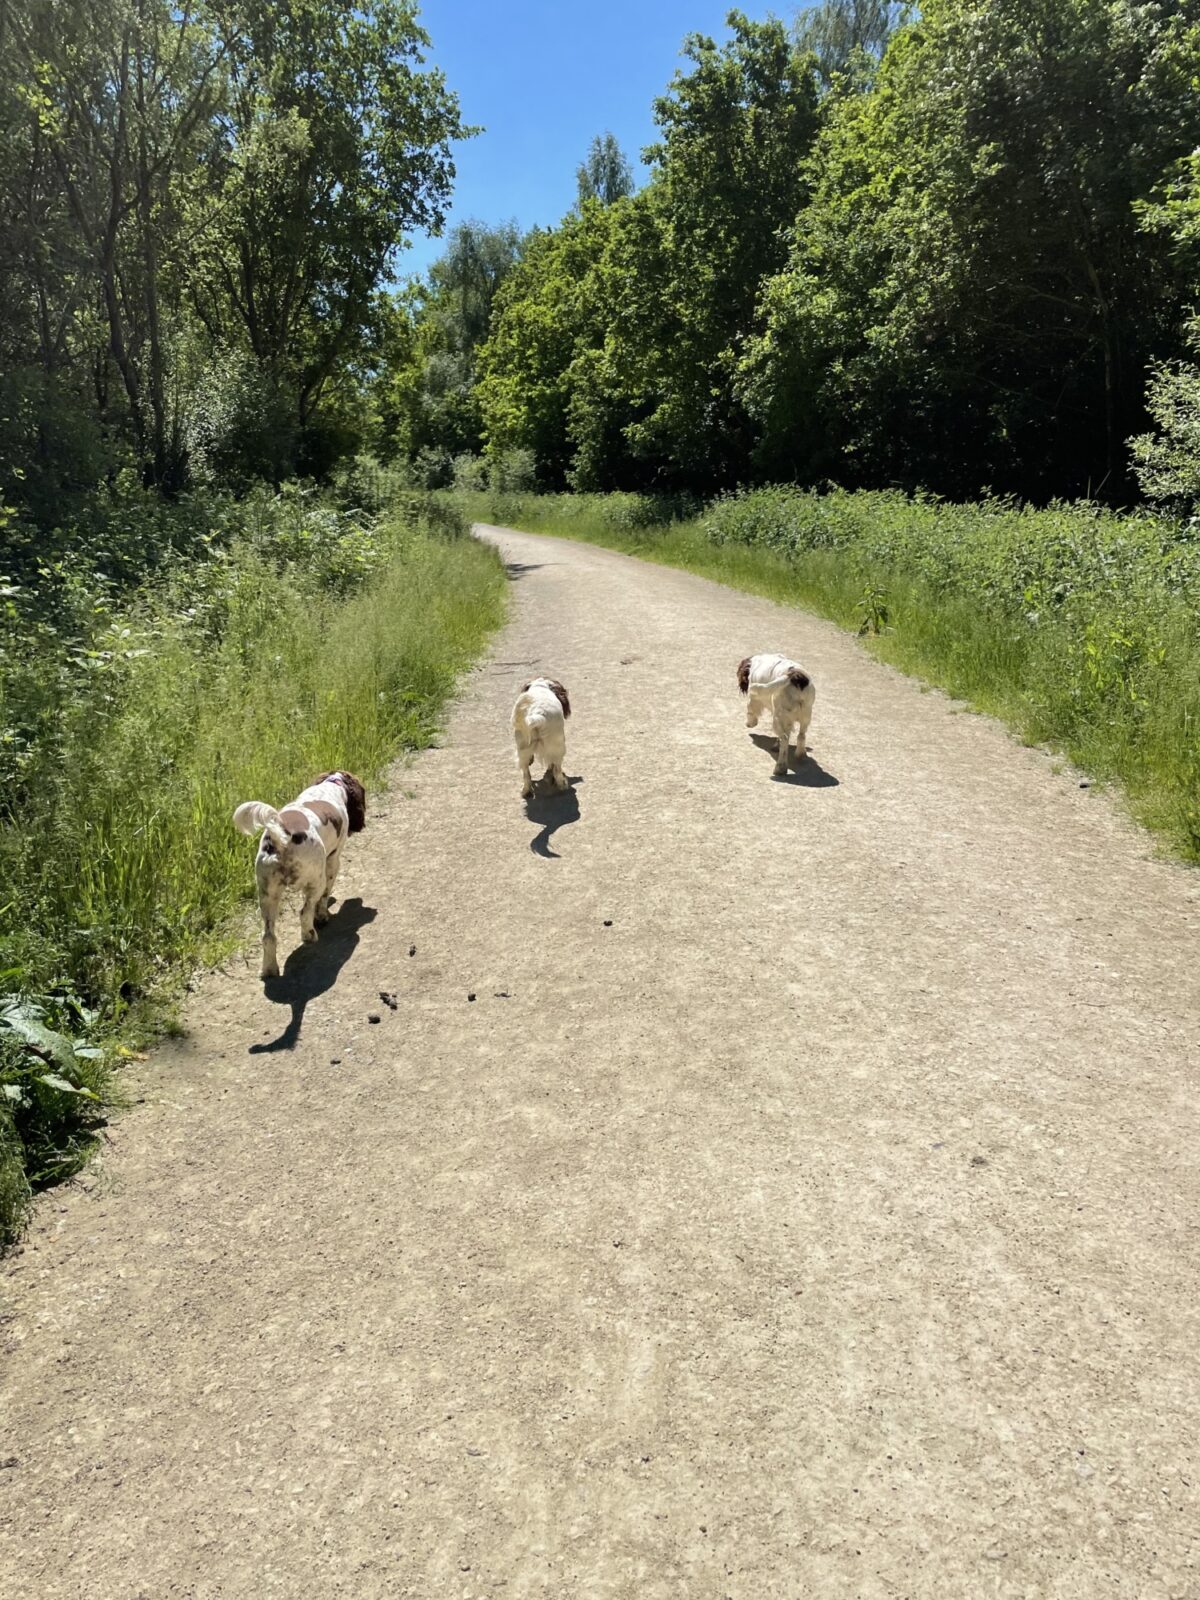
779, 686
539, 728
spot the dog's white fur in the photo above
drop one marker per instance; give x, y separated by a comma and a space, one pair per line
301, 848
539, 729
783, 688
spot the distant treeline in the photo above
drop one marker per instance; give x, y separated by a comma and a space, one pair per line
956, 249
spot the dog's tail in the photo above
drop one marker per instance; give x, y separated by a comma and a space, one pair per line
253, 815
794, 676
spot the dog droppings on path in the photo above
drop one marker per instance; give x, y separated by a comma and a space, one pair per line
373, 1016
470, 997
412, 949
608, 924
389, 999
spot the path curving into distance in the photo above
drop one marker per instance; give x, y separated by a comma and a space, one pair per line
806, 1203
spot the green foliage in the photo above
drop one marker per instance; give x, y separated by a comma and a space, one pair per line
605, 175
847, 35
425, 399
197, 210
614, 346
1077, 626
290, 637
1167, 461
955, 268
969, 300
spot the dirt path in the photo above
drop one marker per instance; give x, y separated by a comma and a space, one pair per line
806, 1203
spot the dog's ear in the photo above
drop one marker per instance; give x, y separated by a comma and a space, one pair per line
743, 675
356, 802
525, 687
800, 679
563, 700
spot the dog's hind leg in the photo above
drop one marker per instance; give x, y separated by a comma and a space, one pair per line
753, 709
312, 896
525, 757
783, 732
332, 862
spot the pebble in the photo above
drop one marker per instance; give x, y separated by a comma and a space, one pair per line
470, 997
374, 1016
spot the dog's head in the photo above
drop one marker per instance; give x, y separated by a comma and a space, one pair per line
356, 798
557, 688
799, 679
743, 675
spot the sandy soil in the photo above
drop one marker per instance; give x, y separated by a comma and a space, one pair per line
805, 1203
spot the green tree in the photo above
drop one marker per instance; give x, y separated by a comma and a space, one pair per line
547, 315
839, 33
1167, 458
336, 143
728, 180
605, 174
968, 301
428, 393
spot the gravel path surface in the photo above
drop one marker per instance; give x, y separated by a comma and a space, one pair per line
758, 1187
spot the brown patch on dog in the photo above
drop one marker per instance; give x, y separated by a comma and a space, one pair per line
356, 802
743, 675
800, 679
561, 693
356, 798
328, 813
296, 823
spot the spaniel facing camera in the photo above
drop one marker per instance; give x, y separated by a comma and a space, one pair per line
301, 848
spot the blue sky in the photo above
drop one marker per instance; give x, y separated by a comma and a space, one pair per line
545, 76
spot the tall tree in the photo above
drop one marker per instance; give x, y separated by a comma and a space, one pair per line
969, 301
336, 143
728, 179
841, 32
605, 174
428, 397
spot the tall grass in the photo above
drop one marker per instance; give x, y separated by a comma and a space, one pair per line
1080, 628
134, 723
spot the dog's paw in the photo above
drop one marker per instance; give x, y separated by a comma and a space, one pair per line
269, 972
309, 936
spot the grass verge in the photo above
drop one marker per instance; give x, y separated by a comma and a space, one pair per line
133, 724
1078, 628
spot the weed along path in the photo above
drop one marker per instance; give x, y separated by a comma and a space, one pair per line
749, 1188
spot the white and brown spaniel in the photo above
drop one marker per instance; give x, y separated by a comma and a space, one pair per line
301, 848
539, 728
779, 686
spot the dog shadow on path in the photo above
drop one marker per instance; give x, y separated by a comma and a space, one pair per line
517, 569
810, 774
311, 969
553, 809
